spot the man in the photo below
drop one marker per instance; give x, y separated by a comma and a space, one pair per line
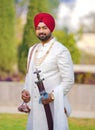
54, 61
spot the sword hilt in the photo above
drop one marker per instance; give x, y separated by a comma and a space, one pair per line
38, 75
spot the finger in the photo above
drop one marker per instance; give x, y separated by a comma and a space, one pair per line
25, 98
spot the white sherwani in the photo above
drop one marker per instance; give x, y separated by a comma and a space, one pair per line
57, 70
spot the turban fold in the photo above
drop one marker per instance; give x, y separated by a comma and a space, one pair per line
45, 18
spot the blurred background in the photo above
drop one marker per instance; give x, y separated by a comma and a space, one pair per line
75, 28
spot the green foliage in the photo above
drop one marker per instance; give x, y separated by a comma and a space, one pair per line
84, 78
68, 40
29, 37
53, 4
7, 35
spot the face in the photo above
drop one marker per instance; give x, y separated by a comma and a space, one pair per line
43, 32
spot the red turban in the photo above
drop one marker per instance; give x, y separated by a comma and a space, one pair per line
45, 18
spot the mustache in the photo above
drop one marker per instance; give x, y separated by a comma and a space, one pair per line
42, 34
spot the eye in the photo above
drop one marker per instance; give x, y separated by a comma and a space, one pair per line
44, 27
38, 28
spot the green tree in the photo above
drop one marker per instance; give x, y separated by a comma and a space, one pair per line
29, 38
68, 40
7, 36
53, 4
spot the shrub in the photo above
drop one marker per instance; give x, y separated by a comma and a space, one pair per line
29, 37
7, 36
84, 77
69, 41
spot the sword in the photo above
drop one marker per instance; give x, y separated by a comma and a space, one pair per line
43, 93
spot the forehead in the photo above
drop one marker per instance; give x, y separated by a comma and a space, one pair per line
41, 24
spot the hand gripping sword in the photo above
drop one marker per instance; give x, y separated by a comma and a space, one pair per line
43, 93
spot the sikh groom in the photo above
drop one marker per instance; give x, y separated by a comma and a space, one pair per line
54, 61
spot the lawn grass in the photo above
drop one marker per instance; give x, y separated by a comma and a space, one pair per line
13, 121
81, 124
18, 122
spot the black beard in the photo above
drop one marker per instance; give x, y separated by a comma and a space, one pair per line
43, 37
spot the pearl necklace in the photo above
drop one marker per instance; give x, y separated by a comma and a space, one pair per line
38, 61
